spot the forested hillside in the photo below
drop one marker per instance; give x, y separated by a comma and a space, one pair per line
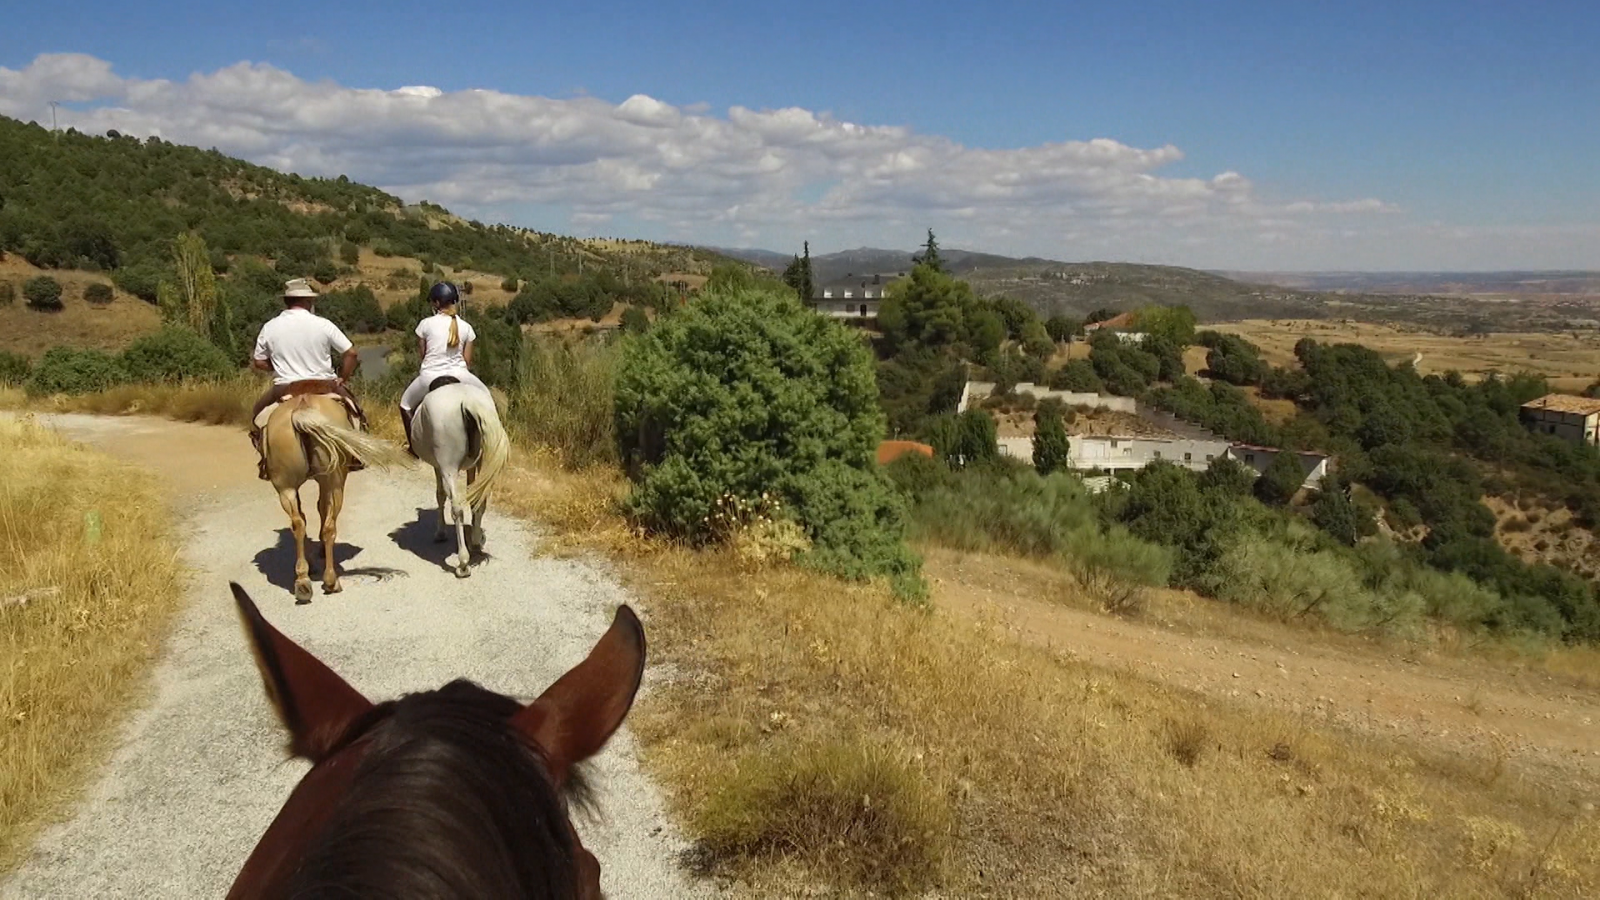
115, 203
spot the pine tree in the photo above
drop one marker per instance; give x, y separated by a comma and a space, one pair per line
1050, 444
794, 277
808, 282
930, 254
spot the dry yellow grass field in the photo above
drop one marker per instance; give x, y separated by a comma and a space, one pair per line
817, 734
79, 323
89, 581
1571, 360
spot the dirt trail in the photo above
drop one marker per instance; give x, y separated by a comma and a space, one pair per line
199, 772
1540, 724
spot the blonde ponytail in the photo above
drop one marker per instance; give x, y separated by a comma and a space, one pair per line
455, 330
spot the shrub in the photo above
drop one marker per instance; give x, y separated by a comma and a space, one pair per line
917, 475
14, 368
8, 293
220, 263
350, 253
509, 285
748, 392
1077, 375
1281, 480
98, 292
1050, 444
1272, 577
634, 320
65, 370
325, 271
173, 354
564, 400
497, 351
42, 292
965, 439
353, 310
142, 280
802, 799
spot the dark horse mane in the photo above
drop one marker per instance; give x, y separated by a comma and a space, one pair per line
446, 801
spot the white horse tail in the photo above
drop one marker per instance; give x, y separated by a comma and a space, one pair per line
494, 446
345, 445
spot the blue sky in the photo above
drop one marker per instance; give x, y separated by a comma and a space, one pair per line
1471, 129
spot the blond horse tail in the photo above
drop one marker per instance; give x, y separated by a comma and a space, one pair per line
494, 446
342, 445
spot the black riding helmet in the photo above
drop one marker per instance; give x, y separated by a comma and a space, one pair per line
444, 294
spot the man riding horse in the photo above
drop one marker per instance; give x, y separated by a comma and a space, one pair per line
298, 347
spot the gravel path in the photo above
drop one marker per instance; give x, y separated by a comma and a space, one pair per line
200, 771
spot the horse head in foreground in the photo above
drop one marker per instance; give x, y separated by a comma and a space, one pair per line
458, 792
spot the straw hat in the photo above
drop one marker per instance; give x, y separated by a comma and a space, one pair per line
297, 288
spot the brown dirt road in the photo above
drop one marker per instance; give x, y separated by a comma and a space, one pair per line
1534, 723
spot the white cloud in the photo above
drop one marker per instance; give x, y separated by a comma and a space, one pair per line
772, 177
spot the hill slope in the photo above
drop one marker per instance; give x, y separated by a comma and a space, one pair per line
114, 203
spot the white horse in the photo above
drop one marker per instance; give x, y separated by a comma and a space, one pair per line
457, 429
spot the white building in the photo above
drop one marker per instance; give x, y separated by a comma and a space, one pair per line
1314, 465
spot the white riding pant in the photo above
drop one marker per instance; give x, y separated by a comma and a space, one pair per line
418, 388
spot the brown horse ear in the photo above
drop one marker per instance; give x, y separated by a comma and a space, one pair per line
575, 717
314, 703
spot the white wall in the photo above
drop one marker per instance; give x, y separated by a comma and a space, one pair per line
976, 391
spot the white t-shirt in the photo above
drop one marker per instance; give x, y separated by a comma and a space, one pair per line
301, 345
437, 358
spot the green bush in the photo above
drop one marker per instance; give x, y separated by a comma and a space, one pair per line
1281, 479
14, 369
220, 264
325, 271
747, 393
355, 310
1050, 444
42, 292
1271, 577
141, 279
349, 253
497, 351
65, 370
98, 292
173, 354
509, 285
634, 320
1022, 513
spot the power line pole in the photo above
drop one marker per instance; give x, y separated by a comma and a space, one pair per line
53, 105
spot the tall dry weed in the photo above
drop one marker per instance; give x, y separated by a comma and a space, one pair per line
89, 581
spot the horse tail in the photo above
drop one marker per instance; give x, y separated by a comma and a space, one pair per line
494, 446
342, 445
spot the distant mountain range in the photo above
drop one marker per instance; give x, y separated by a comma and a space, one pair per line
1456, 283
1440, 299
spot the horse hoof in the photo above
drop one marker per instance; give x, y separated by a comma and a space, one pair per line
302, 593
332, 588
462, 571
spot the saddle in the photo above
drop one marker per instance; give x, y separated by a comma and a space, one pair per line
322, 387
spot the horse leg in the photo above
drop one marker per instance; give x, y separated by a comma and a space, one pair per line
290, 499
448, 475
439, 495
330, 499
475, 535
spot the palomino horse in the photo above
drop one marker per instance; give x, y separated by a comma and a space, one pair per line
309, 437
458, 792
457, 429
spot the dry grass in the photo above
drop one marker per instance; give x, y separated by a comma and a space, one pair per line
1571, 360
78, 323
223, 402
89, 580
1054, 774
